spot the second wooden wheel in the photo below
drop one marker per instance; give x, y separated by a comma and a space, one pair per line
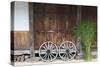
67, 50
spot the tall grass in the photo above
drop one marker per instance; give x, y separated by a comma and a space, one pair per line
86, 30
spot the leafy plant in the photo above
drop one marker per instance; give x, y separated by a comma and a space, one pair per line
86, 30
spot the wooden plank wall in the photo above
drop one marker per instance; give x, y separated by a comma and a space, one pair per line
59, 19
89, 12
19, 40
51, 23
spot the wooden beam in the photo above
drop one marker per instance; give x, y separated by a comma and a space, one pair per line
78, 14
31, 25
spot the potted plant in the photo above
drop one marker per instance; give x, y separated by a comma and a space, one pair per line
86, 31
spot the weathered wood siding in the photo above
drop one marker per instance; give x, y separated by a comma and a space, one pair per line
19, 40
53, 23
89, 12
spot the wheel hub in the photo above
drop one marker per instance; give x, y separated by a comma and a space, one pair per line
48, 51
67, 51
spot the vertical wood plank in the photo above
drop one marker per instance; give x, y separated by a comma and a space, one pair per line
32, 29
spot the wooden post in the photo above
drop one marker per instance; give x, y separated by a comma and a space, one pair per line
78, 41
78, 14
31, 31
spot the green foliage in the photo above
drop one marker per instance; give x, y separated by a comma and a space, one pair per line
86, 30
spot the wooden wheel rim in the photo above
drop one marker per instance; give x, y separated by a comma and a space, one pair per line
66, 51
50, 51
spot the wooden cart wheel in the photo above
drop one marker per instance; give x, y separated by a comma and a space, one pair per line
67, 50
48, 51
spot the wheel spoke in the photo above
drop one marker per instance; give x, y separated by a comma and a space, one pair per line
72, 50
53, 51
50, 57
71, 46
47, 57
62, 51
44, 57
70, 55
64, 55
65, 46
44, 47
43, 50
50, 45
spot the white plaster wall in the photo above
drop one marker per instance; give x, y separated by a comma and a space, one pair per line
21, 16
